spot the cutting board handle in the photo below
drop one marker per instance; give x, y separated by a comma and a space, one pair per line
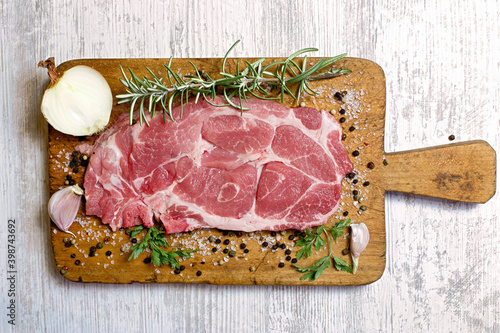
461, 171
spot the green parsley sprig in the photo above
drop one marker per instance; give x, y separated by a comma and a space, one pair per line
315, 239
155, 240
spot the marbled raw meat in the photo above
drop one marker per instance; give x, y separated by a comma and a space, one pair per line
274, 168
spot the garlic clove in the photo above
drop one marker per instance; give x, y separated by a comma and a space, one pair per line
64, 205
360, 236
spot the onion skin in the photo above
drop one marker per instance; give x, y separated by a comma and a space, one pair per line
77, 102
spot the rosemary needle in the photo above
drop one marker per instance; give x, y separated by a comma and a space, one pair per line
147, 93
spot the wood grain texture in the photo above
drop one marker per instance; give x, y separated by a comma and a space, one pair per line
442, 72
364, 108
463, 171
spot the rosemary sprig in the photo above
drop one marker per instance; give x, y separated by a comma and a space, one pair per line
314, 238
154, 240
236, 88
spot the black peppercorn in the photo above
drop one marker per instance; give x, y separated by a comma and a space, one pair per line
265, 244
352, 128
273, 233
73, 256
133, 240
275, 247
355, 192
351, 175
294, 260
342, 120
451, 137
281, 265
182, 267
345, 213
218, 241
291, 237
288, 252
288, 258
108, 253
366, 183
246, 251
355, 153
91, 254
226, 242
147, 260
371, 165
283, 246
225, 251
242, 246
342, 111
77, 262
177, 271
355, 181
214, 249
67, 244
198, 273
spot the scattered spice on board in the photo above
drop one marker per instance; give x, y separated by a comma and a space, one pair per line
266, 243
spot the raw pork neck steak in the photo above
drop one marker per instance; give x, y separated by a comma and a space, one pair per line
274, 168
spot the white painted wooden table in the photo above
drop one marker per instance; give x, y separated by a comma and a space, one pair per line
441, 60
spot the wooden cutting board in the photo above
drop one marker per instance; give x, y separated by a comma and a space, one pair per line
459, 171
